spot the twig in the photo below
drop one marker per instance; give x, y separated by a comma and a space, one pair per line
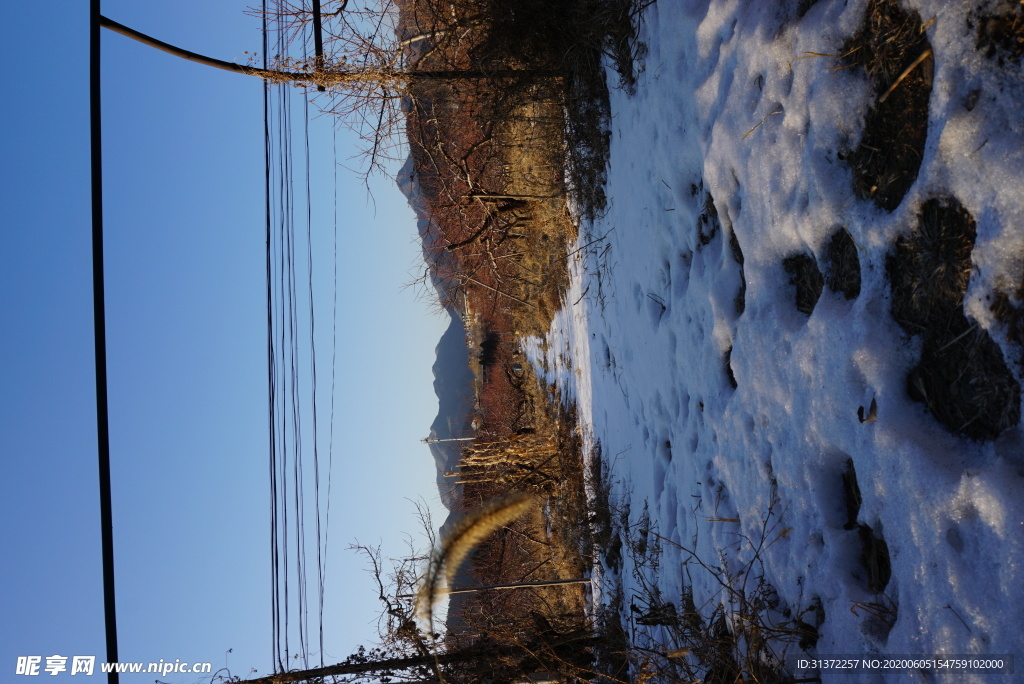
950, 609
906, 72
956, 339
777, 110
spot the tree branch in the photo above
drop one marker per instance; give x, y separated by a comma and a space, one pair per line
326, 77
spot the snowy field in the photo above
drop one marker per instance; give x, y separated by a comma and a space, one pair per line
718, 404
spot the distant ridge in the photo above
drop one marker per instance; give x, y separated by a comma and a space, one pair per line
453, 379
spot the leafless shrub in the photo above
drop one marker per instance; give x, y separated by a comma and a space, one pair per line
737, 634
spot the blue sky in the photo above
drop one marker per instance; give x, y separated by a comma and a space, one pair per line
186, 334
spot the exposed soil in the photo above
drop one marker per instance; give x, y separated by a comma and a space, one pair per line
708, 224
888, 43
1000, 33
875, 557
961, 377
929, 270
804, 274
730, 376
737, 254
843, 264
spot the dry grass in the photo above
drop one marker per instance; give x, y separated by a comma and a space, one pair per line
738, 634
463, 538
608, 28
930, 269
549, 540
962, 377
1000, 31
887, 160
965, 382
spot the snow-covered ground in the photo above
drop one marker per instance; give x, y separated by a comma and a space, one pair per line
642, 343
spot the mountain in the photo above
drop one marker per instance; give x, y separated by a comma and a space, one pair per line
453, 379
453, 385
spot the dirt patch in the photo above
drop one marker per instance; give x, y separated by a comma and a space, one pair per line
1009, 310
843, 264
729, 375
962, 377
930, 269
804, 274
737, 254
965, 383
894, 53
708, 224
803, 7
1000, 33
851, 495
875, 557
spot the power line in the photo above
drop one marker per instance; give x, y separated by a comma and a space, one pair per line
292, 383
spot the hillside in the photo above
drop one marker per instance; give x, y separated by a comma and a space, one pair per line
793, 340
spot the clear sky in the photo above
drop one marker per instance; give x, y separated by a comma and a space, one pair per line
187, 351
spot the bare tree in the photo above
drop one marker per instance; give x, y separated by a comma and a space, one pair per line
374, 58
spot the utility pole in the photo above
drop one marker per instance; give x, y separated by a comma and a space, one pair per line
318, 41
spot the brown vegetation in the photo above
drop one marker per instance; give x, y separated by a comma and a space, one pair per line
495, 160
893, 51
743, 632
1000, 31
961, 377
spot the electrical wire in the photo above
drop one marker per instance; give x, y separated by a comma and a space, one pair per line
293, 383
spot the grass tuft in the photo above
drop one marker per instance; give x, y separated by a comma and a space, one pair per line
742, 632
961, 377
464, 536
930, 269
892, 49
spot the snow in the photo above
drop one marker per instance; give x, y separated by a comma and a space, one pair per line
639, 345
